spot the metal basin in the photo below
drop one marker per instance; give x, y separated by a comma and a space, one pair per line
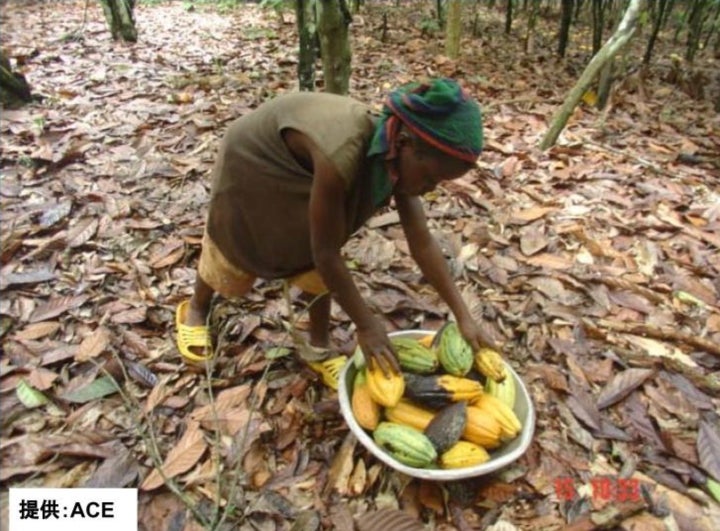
499, 458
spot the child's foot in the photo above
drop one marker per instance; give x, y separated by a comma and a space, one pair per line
193, 336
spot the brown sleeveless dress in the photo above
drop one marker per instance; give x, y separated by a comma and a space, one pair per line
258, 217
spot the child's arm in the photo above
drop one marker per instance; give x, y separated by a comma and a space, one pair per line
327, 236
426, 252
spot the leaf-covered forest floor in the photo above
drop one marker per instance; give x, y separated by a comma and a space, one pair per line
596, 263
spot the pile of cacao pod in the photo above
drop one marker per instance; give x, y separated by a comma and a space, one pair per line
447, 408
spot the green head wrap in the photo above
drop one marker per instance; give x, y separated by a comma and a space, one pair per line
439, 112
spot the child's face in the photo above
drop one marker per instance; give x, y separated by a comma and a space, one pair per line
420, 173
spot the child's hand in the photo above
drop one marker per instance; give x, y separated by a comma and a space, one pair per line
475, 335
378, 350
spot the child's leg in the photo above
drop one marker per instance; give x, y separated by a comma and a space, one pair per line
200, 303
214, 274
317, 295
319, 312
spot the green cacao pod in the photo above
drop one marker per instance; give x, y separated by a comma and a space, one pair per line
414, 357
505, 391
454, 353
407, 445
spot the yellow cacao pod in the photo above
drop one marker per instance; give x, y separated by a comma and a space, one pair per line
490, 364
427, 341
409, 414
364, 408
464, 454
509, 423
438, 391
482, 428
385, 390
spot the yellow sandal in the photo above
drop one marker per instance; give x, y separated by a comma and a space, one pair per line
188, 337
329, 370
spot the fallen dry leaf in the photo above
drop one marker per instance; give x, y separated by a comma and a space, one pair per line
341, 467
93, 345
37, 330
57, 306
708, 446
183, 456
622, 384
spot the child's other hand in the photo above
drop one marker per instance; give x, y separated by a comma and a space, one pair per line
378, 350
475, 335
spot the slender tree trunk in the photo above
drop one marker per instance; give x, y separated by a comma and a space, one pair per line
578, 9
119, 16
440, 14
453, 28
697, 14
605, 84
713, 26
671, 5
532, 22
476, 19
598, 17
567, 12
333, 21
305, 17
14, 88
660, 15
612, 12
508, 17
619, 39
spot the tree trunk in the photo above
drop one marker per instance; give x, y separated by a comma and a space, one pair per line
567, 13
453, 28
440, 14
532, 22
14, 89
680, 26
508, 17
578, 9
695, 23
119, 16
659, 17
333, 21
671, 5
605, 84
305, 17
619, 39
713, 26
612, 13
598, 18
476, 19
